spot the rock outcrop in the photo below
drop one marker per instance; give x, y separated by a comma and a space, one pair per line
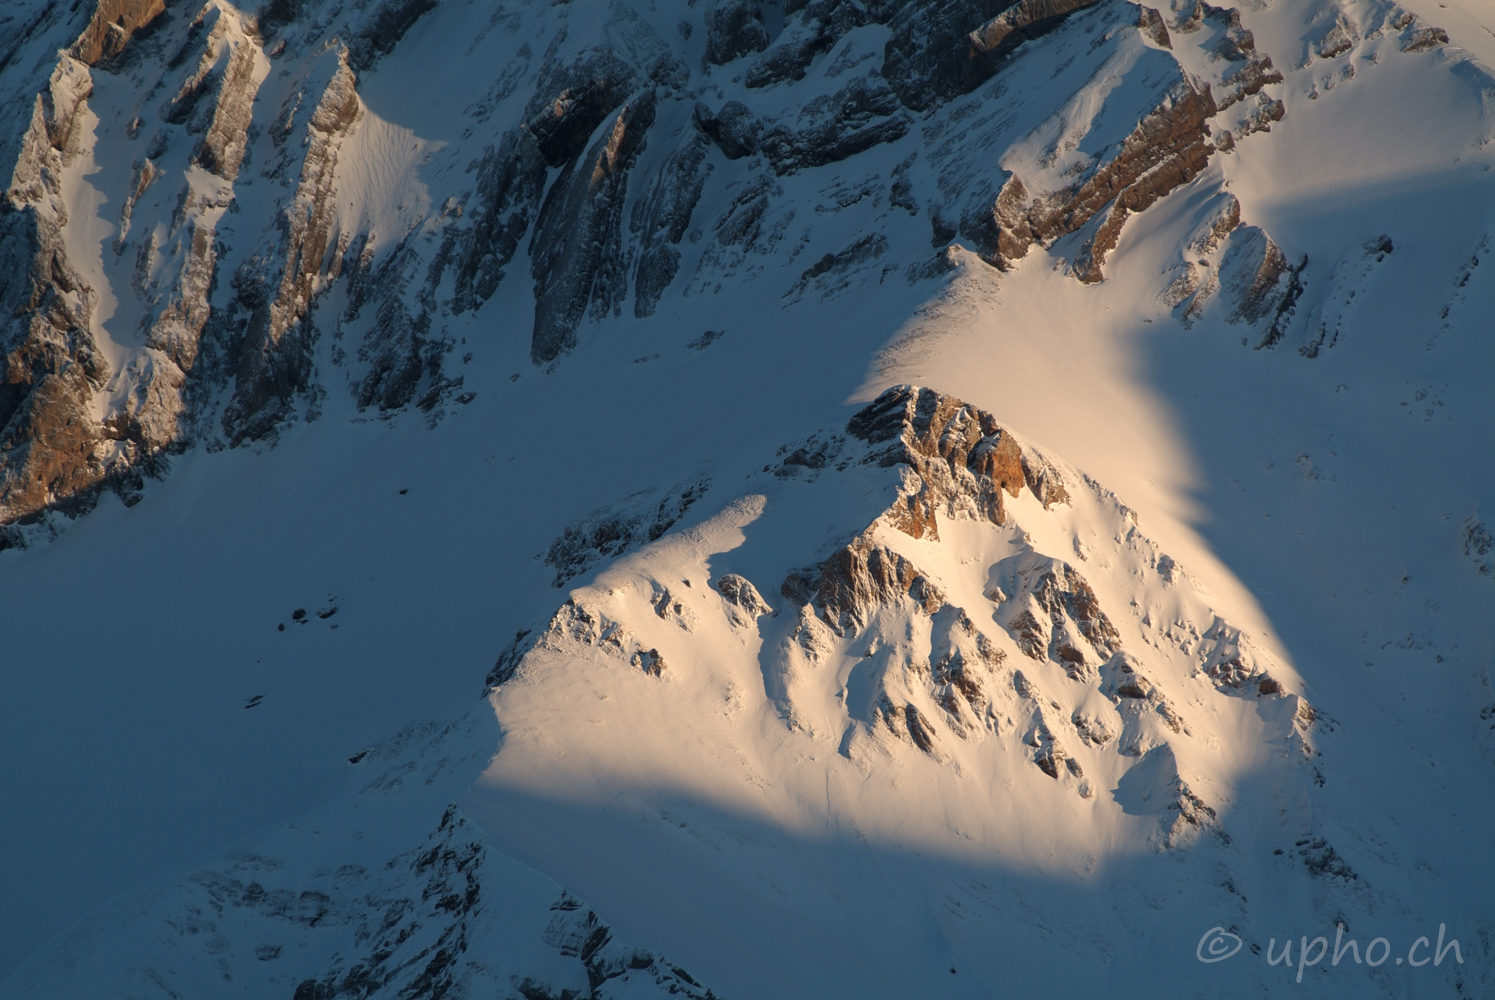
225, 282
745, 604
1052, 614
608, 533
938, 676
809, 32
831, 128
661, 220
274, 289
944, 49
734, 129
510, 181
176, 275
576, 253
734, 28
50, 442
960, 459
847, 588
111, 27
572, 99
1168, 148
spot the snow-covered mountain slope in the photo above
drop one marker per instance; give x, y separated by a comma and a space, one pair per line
346, 341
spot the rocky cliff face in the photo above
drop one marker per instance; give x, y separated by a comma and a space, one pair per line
221, 282
239, 208
53, 361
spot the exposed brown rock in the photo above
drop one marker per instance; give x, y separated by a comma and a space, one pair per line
1030, 634
1191, 808
1049, 754
957, 454
51, 364
1260, 282
1238, 45
1136, 695
575, 622
991, 36
847, 589
1150, 23
961, 654
1166, 150
918, 731
111, 26
649, 661
745, 605
1044, 480
216, 101
907, 722
227, 66
49, 443
1425, 38
1340, 38
1053, 614
1095, 729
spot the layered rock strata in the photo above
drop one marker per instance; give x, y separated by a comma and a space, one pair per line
240, 211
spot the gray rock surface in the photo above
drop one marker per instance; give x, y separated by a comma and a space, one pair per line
575, 255
863, 114
233, 345
734, 28
661, 220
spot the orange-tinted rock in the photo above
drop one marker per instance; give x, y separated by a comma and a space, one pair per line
111, 26
847, 589
956, 452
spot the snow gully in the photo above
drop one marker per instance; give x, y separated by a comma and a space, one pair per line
1218, 944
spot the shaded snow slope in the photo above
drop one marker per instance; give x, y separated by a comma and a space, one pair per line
343, 344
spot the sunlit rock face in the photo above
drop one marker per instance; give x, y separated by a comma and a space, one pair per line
242, 241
